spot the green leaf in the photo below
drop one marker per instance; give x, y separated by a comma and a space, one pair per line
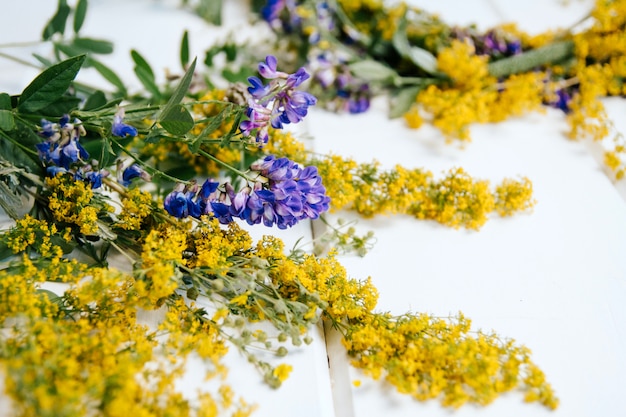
88, 113
184, 50
554, 52
66, 247
52, 297
420, 57
211, 127
5, 101
45, 61
51, 84
68, 49
371, 70
177, 120
9, 200
401, 102
95, 101
57, 23
62, 105
210, 10
96, 46
7, 120
18, 155
108, 75
141, 62
5, 252
237, 115
147, 79
239, 76
79, 15
179, 92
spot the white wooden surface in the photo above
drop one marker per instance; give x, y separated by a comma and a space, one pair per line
554, 279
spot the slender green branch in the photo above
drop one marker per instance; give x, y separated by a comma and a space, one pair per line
227, 166
151, 170
21, 44
19, 60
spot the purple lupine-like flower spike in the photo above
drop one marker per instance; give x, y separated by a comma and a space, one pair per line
286, 195
276, 103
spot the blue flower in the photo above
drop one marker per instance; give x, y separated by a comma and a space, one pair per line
61, 151
221, 212
287, 195
267, 69
258, 89
273, 10
175, 203
121, 129
94, 178
294, 80
562, 101
130, 173
72, 153
277, 103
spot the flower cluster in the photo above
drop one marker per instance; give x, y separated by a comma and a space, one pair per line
334, 80
276, 103
495, 43
84, 351
282, 194
456, 200
512, 72
61, 151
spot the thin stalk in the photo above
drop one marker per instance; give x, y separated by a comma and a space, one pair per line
227, 166
152, 171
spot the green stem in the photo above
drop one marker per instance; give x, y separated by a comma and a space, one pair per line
21, 44
151, 170
227, 166
19, 60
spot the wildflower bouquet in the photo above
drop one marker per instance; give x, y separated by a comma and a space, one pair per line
454, 76
141, 202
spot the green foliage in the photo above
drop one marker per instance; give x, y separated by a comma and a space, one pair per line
174, 117
57, 23
50, 85
550, 54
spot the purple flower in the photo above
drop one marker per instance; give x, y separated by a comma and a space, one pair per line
130, 173
61, 151
294, 80
287, 195
562, 101
221, 212
175, 203
276, 103
258, 89
267, 69
121, 129
272, 13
